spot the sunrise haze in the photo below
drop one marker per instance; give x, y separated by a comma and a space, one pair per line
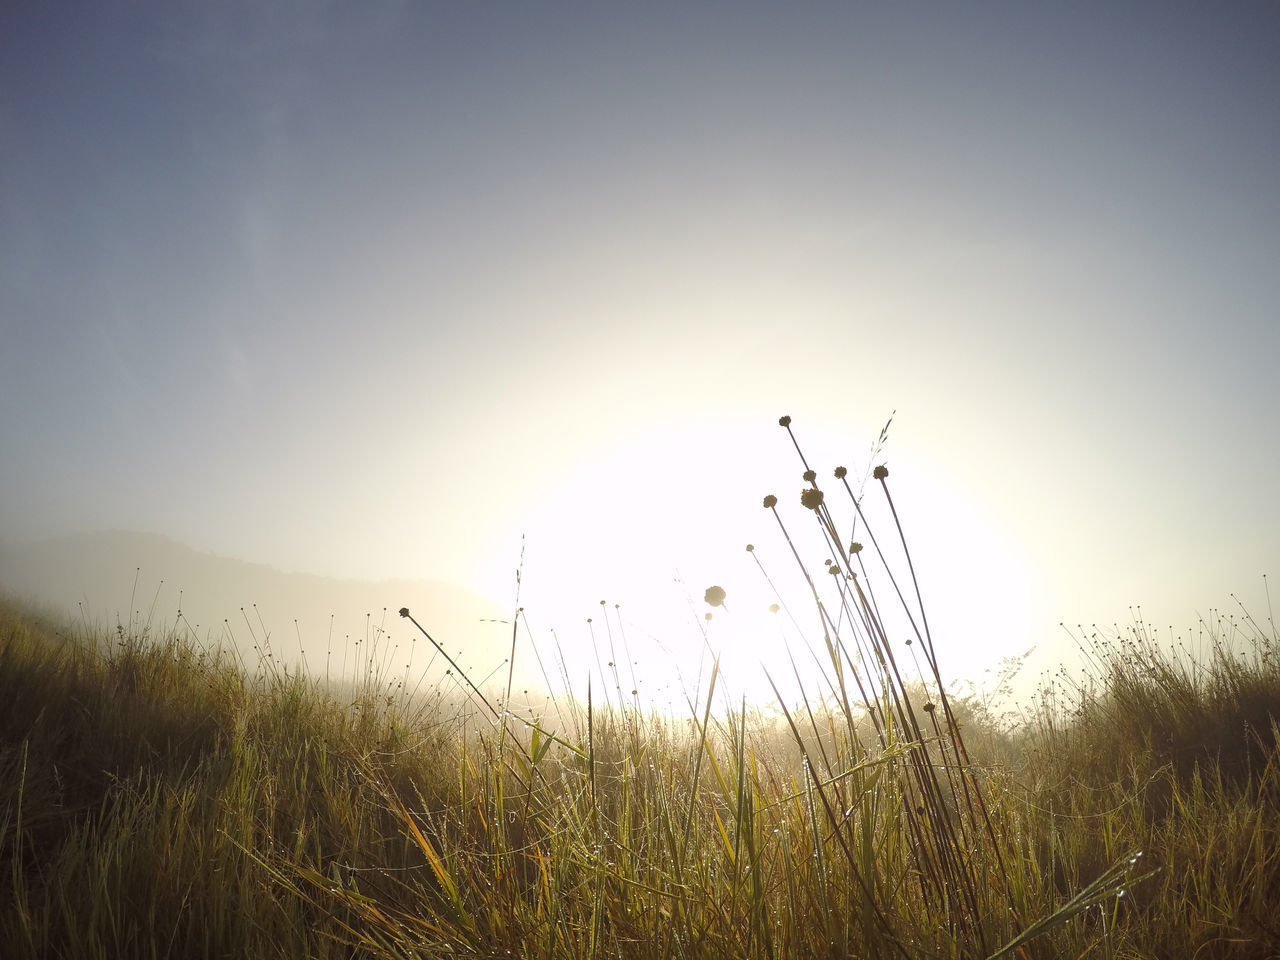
434, 292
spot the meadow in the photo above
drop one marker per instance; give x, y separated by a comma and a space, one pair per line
164, 799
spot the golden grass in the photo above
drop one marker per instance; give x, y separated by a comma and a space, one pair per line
157, 800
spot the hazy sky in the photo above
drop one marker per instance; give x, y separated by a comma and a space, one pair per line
371, 290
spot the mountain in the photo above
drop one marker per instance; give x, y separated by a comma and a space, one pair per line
146, 581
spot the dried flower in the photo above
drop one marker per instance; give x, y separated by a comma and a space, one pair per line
880, 472
751, 548
929, 708
810, 476
784, 421
714, 596
811, 498
770, 502
855, 547
773, 608
840, 473
404, 611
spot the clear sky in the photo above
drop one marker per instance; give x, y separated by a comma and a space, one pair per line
373, 290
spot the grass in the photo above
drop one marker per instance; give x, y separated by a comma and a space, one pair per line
161, 800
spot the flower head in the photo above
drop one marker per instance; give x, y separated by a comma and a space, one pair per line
714, 596
855, 547
811, 498
840, 473
770, 502
880, 472
751, 548
404, 611
784, 421
810, 476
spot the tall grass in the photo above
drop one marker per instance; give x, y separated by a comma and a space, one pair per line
160, 800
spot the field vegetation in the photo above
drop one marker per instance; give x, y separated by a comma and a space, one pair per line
160, 799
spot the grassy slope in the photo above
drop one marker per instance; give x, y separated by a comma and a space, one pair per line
158, 802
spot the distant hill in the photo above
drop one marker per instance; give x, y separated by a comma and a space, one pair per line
90, 579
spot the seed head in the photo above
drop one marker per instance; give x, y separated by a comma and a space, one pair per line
784, 421
404, 611
751, 548
714, 596
770, 502
855, 547
840, 473
773, 608
880, 472
810, 476
811, 498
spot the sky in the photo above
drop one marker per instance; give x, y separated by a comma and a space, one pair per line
447, 291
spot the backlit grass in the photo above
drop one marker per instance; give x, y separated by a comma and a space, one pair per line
160, 800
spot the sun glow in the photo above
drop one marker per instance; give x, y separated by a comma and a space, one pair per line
619, 553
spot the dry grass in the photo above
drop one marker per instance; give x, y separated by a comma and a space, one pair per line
157, 800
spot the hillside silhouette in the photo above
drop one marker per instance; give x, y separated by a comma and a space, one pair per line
142, 580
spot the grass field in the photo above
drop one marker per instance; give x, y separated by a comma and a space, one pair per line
162, 800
